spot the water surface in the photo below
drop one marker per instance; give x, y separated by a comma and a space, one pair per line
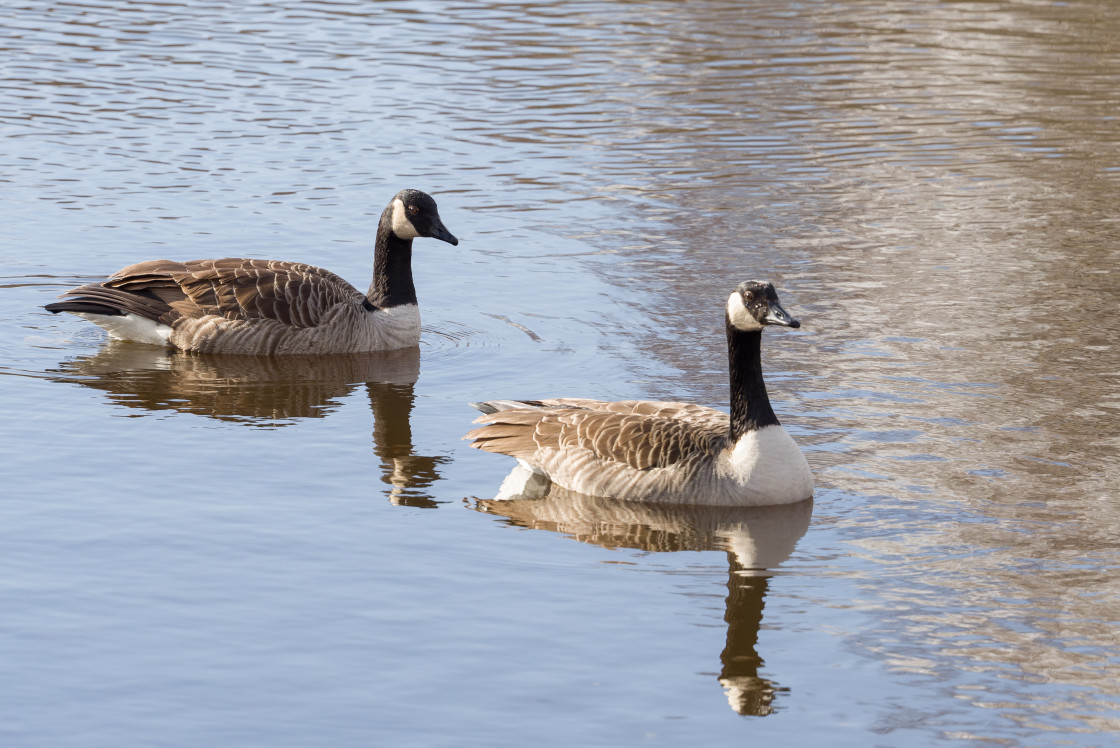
245, 552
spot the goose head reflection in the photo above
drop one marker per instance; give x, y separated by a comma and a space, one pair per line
272, 392
756, 540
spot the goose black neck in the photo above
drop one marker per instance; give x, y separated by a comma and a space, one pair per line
392, 268
750, 405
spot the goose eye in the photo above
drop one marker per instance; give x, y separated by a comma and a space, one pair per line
748, 296
413, 210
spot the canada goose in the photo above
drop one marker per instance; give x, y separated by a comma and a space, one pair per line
666, 451
268, 307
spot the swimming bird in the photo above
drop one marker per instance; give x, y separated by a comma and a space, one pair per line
666, 451
268, 307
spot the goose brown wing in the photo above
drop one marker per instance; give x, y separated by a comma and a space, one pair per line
698, 415
622, 432
294, 294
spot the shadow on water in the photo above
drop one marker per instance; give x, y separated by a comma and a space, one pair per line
271, 393
756, 540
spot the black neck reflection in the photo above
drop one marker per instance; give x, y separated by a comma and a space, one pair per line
747, 692
271, 392
408, 474
754, 538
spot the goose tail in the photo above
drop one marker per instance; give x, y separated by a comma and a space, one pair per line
494, 406
80, 306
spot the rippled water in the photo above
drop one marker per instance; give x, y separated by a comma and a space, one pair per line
242, 552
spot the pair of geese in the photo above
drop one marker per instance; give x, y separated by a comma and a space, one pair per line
635, 450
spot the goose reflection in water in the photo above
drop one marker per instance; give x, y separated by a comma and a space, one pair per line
272, 392
756, 539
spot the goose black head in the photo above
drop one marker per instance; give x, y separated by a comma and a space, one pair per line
413, 213
755, 304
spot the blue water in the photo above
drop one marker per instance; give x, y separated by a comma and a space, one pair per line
206, 551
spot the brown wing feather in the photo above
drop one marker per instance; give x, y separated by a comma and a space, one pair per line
144, 303
688, 412
294, 294
640, 434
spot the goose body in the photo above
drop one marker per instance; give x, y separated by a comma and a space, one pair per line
666, 451
268, 307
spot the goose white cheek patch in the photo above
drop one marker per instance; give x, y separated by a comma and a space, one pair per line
741, 319
402, 227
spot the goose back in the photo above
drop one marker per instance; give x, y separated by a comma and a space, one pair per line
249, 306
647, 451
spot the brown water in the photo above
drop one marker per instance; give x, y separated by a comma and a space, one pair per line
210, 551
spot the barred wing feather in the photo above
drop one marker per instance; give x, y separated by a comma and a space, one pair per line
295, 294
639, 434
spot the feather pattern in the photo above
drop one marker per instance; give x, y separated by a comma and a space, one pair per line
639, 434
270, 307
662, 451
